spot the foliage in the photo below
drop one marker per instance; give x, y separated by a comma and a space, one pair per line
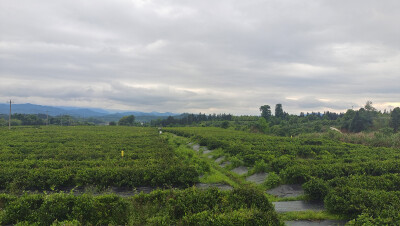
46, 209
272, 181
395, 119
225, 124
54, 158
245, 206
127, 120
316, 189
260, 166
279, 111
193, 119
263, 125
352, 179
265, 112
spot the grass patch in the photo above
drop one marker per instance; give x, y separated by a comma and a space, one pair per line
215, 176
309, 215
273, 198
298, 198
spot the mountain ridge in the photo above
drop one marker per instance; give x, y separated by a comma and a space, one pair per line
74, 111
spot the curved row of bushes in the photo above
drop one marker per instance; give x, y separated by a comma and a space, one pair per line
353, 180
244, 206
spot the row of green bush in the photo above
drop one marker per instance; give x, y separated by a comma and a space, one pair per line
45, 179
357, 181
243, 206
60, 157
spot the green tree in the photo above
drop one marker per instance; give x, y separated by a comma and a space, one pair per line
265, 111
395, 119
3, 122
279, 111
263, 125
347, 119
362, 120
127, 120
368, 106
225, 124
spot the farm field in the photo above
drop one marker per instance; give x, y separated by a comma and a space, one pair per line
75, 175
353, 181
191, 175
54, 158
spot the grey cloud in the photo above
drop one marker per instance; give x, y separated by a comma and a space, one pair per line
207, 56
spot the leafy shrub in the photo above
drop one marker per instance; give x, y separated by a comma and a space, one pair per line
260, 166
249, 197
235, 162
316, 189
272, 181
236, 217
296, 174
354, 201
45, 209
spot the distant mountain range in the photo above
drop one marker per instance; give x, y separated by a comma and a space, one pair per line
107, 115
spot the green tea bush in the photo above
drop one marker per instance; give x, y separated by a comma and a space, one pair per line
56, 158
46, 209
316, 189
244, 206
260, 166
354, 201
236, 217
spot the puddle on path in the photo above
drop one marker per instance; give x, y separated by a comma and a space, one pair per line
220, 186
224, 164
257, 178
287, 190
291, 206
316, 223
240, 170
220, 159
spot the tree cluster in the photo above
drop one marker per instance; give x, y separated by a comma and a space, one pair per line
190, 119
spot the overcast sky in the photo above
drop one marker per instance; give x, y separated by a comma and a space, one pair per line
201, 56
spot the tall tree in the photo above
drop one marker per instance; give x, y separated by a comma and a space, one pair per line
362, 120
395, 119
265, 112
263, 125
368, 106
279, 111
127, 121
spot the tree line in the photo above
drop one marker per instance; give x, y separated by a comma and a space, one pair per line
367, 118
191, 119
280, 123
18, 119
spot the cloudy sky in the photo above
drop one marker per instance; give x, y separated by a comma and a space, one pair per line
201, 56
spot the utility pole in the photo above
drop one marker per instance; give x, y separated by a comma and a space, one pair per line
9, 118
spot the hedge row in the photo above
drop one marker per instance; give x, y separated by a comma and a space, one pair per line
244, 206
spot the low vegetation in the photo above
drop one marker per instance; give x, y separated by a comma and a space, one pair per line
353, 180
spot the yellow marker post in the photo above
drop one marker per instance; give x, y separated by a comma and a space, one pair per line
122, 154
